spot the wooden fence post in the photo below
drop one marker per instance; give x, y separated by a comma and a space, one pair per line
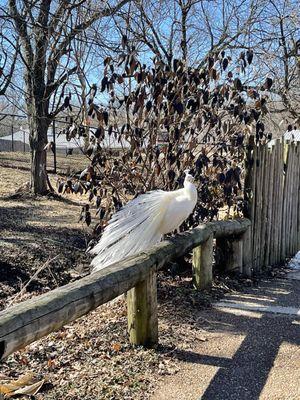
202, 264
142, 312
247, 253
250, 193
231, 253
237, 255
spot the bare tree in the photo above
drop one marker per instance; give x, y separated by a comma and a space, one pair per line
47, 30
191, 29
9, 46
277, 40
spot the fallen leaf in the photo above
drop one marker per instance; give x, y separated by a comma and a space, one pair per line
51, 363
24, 385
11, 386
116, 347
30, 390
202, 339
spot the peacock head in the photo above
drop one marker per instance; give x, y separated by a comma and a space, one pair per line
188, 176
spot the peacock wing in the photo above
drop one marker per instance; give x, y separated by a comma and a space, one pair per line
133, 229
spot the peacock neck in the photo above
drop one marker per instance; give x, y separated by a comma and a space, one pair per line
191, 190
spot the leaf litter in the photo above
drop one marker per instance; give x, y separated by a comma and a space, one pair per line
90, 358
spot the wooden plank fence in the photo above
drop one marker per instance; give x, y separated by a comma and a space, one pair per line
30, 320
272, 187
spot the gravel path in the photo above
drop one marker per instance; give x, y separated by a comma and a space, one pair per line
249, 353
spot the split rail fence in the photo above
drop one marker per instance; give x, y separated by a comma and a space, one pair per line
266, 237
30, 320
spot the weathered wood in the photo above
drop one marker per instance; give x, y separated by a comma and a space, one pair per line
225, 235
284, 205
142, 312
237, 255
276, 222
253, 209
280, 201
279, 204
228, 228
295, 199
298, 200
230, 250
274, 207
266, 207
247, 253
249, 199
202, 264
290, 209
270, 207
249, 182
28, 321
273, 204
265, 197
298, 203
260, 205
290, 171
257, 208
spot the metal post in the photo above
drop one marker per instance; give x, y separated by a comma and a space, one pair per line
12, 137
54, 145
24, 147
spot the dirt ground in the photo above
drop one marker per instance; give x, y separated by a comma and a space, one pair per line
64, 164
36, 230
43, 246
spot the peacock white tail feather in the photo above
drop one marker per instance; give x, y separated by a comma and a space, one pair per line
142, 222
131, 230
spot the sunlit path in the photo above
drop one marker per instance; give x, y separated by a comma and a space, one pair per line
252, 349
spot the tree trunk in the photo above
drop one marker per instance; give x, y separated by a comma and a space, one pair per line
38, 127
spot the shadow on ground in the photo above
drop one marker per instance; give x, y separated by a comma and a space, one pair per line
35, 222
243, 375
34, 231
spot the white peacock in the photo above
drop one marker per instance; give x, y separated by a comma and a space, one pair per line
142, 222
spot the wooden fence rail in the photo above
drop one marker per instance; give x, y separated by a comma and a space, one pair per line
30, 320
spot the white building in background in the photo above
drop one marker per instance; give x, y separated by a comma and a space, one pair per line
18, 141
21, 142
292, 135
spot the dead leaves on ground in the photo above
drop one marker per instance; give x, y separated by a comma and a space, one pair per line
92, 359
116, 347
27, 384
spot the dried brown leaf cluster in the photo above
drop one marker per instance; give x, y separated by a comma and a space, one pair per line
174, 117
